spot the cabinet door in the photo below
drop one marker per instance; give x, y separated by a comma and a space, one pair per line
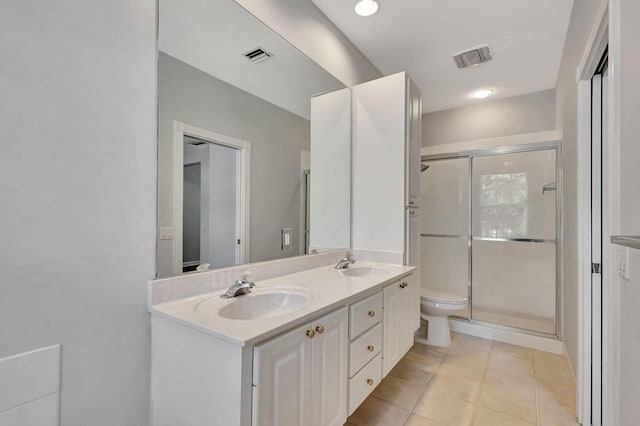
409, 312
282, 380
413, 145
329, 370
391, 332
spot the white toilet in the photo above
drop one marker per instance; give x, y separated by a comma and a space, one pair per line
435, 307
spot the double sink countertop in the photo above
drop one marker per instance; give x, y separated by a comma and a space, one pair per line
278, 304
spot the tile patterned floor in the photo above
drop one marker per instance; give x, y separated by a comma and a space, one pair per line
474, 382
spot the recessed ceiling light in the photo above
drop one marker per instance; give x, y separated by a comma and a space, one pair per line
366, 7
482, 93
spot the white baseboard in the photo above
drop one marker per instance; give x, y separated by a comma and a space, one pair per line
507, 336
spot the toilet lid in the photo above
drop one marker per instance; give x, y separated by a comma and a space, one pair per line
440, 296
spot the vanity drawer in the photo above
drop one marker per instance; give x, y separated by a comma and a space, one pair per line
364, 348
364, 314
363, 383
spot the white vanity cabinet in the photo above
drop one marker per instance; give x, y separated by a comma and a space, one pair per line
300, 377
365, 348
399, 321
311, 371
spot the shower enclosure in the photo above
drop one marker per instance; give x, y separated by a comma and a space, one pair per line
490, 231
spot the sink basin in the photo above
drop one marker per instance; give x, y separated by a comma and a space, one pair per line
264, 305
364, 271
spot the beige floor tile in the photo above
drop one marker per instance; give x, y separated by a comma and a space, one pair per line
510, 363
509, 402
487, 417
416, 420
456, 387
513, 350
457, 338
550, 358
376, 412
446, 410
468, 370
420, 347
556, 415
429, 359
413, 372
555, 392
398, 392
554, 373
467, 357
468, 349
523, 383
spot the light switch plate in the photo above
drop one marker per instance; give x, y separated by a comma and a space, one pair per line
287, 239
623, 263
166, 232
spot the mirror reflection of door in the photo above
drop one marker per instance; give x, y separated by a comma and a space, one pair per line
210, 204
191, 219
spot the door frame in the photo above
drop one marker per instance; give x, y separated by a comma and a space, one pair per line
180, 130
603, 36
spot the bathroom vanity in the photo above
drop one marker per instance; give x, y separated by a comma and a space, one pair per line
304, 348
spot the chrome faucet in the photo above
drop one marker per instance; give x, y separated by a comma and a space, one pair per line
345, 261
240, 287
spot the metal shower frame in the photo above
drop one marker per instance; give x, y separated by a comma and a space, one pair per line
470, 155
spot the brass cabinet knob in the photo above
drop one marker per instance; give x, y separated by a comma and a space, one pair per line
371, 348
371, 313
403, 285
310, 334
370, 381
320, 329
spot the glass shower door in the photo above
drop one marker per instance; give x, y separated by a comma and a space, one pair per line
445, 227
514, 240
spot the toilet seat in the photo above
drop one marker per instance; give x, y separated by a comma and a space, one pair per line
442, 297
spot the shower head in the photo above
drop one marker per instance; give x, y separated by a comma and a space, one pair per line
423, 167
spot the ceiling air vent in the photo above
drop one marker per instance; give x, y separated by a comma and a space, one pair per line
472, 57
258, 55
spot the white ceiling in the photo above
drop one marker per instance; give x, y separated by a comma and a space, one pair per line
420, 36
213, 35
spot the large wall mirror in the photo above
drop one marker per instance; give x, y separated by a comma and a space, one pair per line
234, 153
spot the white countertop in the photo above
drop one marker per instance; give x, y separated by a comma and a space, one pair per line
326, 288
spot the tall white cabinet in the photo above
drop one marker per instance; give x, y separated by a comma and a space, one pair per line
386, 140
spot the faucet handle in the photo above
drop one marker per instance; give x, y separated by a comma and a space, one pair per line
244, 278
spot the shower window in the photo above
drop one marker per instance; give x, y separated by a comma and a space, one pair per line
503, 204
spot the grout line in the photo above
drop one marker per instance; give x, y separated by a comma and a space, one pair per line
476, 404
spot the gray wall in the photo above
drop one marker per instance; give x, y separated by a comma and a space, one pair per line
534, 112
78, 197
277, 137
582, 19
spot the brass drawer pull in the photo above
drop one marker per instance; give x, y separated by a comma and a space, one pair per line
370, 382
371, 313
310, 334
371, 348
403, 285
320, 329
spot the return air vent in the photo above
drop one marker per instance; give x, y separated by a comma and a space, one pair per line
472, 57
258, 55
